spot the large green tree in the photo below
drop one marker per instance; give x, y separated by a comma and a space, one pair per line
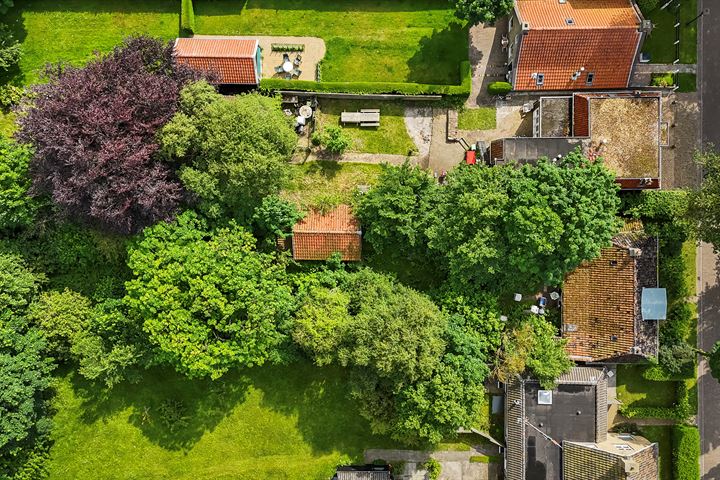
207, 299
486, 11
24, 369
232, 151
509, 228
705, 203
17, 208
395, 212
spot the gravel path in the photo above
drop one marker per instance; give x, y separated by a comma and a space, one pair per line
418, 122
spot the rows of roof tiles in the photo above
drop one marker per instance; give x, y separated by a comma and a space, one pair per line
541, 14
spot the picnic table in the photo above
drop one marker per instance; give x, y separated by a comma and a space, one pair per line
366, 118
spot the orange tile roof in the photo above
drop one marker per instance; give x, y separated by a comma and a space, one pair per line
542, 14
608, 53
317, 236
232, 60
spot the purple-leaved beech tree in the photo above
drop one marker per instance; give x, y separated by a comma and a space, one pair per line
94, 128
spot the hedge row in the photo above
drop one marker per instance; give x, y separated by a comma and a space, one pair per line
375, 87
681, 411
187, 18
686, 452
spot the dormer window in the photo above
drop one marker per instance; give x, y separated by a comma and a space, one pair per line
590, 78
540, 79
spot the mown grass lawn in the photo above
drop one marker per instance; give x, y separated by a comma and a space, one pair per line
482, 118
367, 40
71, 30
326, 184
292, 422
661, 41
633, 389
662, 434
390, 137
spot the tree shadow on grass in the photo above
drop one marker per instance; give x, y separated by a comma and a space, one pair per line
327, 168
443, 50
201, 404
327, 418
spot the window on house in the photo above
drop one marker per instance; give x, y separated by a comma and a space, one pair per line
510, 23
540, 79
590, 78
625, 436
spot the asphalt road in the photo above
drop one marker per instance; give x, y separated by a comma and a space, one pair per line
707, 261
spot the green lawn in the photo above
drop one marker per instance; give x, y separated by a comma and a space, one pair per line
290, 422
72, 30
662, 434
367, 40
633, 389
326, 184
482, 118
661, 41
390, 137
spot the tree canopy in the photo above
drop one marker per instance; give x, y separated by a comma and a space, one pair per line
233, 151
206, 298
705, 203
486, 11
94, 132
517, 229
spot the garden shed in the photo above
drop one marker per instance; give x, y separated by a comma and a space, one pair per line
319, 235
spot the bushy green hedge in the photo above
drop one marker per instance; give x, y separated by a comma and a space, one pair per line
681, 411
486, 459
187, 18
686, 452
499, 88
374, 87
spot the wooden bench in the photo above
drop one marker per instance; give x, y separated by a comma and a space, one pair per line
370, 110
360, 117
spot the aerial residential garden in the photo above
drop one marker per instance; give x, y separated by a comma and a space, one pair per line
152, 327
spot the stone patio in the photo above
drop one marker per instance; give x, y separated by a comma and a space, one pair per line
314, 52
488, 60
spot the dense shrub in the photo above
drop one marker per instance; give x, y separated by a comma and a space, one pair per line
10, 95
187, 18
662, 79
499, 88
332, 139
663, 212
462, 90
686, 452
486, 11
10, 48
17, 208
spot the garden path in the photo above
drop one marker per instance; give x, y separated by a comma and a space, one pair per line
487, 60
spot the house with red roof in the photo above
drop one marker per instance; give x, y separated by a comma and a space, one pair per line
320, 235
233, 61
559, 45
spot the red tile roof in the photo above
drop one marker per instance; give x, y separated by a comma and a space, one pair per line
317, 236
232, 60
608, 53
542, 14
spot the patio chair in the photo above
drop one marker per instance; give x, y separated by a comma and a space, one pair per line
286, 57
298, 60
279, 69
288, 77
297, 72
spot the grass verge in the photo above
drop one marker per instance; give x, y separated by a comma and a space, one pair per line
266, 422
662, 434
634, 390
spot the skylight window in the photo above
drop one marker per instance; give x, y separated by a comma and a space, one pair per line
540, 79
569, 21
590, 78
